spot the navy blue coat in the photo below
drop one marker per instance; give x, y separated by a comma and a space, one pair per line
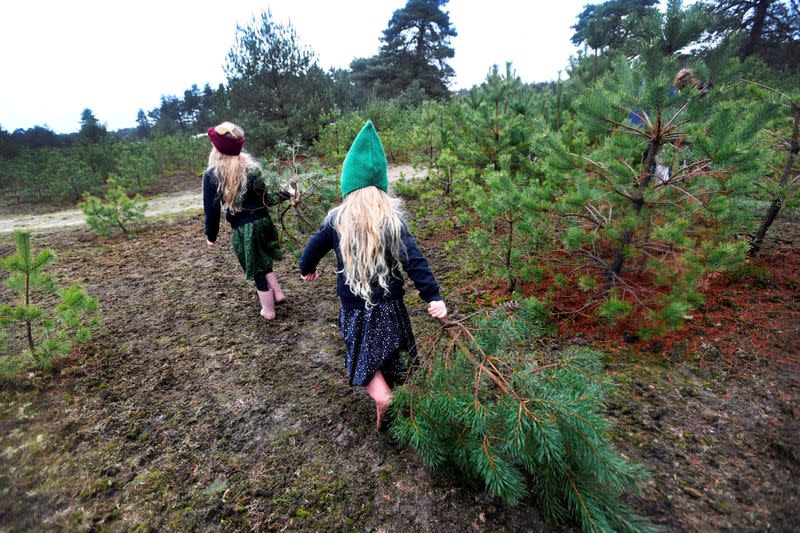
413, 262
254, 205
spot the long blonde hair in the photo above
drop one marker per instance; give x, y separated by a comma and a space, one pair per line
231, 170
369, 223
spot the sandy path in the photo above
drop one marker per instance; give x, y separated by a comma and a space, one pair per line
190, 200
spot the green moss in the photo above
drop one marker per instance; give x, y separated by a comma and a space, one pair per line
157, 482
304, 514
95, 487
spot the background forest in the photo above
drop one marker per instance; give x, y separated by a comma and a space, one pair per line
603, 206
634, 189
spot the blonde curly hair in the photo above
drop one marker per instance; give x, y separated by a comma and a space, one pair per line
370, 225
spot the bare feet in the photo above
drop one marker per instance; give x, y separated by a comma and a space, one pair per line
381, 409
381, 393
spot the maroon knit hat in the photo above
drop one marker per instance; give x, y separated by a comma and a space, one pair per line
226, 145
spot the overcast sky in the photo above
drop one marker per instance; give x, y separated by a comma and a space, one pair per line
116, 57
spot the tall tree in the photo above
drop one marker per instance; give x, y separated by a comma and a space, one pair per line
142, 125
192, 104
611, 23
771, 27
91, 129
276, 89
416, 46
169, 118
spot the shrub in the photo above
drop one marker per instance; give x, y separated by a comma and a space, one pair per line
118, 211
48, 333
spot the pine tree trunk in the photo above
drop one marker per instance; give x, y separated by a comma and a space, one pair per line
777, 202
512, 281
758, 26
27, 303
30, 336
615, 267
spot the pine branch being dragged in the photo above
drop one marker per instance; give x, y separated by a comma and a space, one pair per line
483, 404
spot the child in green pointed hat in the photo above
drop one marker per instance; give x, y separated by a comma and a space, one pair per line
372, 244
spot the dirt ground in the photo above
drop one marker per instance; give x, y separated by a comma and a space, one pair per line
187, 411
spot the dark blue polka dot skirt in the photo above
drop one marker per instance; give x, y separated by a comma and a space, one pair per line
377, 338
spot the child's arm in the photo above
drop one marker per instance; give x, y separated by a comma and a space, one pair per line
318, 245
416, 266
267, 198
211, 207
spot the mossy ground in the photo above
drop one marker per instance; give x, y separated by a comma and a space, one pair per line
187, 411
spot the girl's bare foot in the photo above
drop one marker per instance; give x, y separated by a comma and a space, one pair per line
381, 409
380, 392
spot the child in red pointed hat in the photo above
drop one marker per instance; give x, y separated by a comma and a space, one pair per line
233, 182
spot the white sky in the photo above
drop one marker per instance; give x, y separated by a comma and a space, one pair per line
117, 56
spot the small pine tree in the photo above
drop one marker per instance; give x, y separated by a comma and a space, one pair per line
510, 233
496, 119
118, 211
137, 166
487, 407
661, 183
48, 334
784, 190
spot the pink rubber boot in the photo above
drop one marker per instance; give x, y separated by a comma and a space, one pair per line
272, 280
267, 304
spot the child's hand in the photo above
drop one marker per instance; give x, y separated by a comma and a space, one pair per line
211, 244
437, 309
290, 189
309, 277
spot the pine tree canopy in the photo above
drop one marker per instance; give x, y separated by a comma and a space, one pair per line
416, 46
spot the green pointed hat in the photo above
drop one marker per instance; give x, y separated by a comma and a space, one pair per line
365, 163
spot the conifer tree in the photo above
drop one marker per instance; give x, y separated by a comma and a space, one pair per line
276, 89
510, 234
137, 166
671, 31
47, 333
661, 186
416, 47
494, 119
485, 406
119, 211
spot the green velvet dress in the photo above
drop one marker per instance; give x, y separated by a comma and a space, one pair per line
253, 234
256, 245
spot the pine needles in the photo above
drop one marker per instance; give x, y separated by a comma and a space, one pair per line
489, 407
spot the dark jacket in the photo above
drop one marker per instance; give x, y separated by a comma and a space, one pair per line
413, 262
254, 204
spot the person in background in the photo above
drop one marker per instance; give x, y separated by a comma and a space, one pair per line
371, 240
683, 78
234, 182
